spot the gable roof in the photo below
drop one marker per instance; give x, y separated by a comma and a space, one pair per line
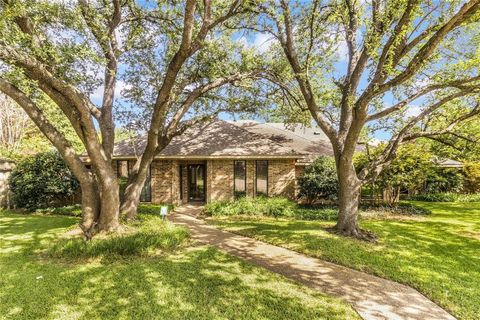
310, 142
216, 139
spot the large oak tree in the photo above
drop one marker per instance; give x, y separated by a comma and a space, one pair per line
54, 52
378, 65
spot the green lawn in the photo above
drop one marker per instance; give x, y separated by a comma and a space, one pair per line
438, 254
196, 282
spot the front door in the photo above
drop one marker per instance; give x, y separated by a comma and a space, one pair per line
196, 182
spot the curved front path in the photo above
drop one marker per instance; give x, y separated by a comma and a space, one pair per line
372, 297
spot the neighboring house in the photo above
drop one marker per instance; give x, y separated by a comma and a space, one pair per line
449, 163
222, 160
6, 166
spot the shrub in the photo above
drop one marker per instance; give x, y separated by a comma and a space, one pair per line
407, 171
153, 209
436, 197
441, 180
152, 236
447, 197
400, 208
76, 209
42, 181
319, 180
474, 197
73, 210
259, 206
329, 213
471, 172
281, 207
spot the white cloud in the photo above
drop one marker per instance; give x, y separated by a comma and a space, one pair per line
342, 50
423, 82
261, 42
97, 95
243, 41
412, 111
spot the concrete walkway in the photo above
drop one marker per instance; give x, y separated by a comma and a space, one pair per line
370, 296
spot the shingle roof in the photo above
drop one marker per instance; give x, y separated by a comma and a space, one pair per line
310, 142
217, 139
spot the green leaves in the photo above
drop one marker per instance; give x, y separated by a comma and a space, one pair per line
319, 180
42, 181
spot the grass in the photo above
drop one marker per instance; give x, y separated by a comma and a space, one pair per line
194, 282
148, 236
438, 254
76, 210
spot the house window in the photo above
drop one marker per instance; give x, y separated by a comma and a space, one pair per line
146, 195
261, 177
240, 185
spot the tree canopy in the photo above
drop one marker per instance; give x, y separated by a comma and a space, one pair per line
386, 67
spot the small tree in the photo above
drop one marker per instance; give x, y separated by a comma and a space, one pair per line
472, 177
43, 180
444, 180
409, 170
319, 180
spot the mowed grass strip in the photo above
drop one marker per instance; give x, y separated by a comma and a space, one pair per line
184, 282
438, 254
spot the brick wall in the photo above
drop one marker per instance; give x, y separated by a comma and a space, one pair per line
298, 172
250, 178
281, 178
163, 181
219, 175
219, 180
184, 184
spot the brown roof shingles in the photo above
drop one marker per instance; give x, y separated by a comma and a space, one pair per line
215, 139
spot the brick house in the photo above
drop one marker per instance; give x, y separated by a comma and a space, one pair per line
222, 160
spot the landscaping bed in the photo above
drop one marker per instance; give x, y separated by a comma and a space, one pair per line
284, 208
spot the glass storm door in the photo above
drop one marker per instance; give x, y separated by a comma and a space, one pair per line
196, 182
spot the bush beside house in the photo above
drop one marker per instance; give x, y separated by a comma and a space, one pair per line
319, 181
42, 181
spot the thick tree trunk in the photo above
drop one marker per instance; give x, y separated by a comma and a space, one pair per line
138, 176
131, 200
109, 218
348, 201
100, 205
90, 208
132, 193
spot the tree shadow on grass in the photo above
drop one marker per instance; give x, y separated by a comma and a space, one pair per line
199, 283
433, 256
